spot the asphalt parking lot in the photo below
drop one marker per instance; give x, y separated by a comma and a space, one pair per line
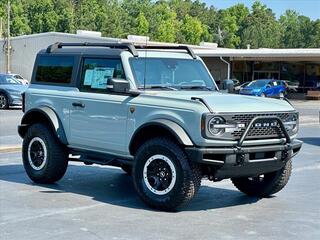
94, 202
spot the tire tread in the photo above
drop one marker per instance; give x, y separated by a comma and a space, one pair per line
277, 182
56, 153
192, 176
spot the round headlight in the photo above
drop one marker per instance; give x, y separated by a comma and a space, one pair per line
292, 123
213, 125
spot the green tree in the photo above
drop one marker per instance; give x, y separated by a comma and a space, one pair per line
315, 39
180, 7
191, 30
261, 28
164, 24
290, 25
86, 15
307, 31
2, 16
142, 25
227, 30
42, 16
132, 9
241, 13
19, 23
65, 11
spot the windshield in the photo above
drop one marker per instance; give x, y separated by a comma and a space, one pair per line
8, 80
171, 74
258, 83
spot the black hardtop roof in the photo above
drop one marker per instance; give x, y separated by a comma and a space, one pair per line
106, 48
85, 51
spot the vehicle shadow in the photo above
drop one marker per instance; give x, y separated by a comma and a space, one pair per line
112, 186
311, 140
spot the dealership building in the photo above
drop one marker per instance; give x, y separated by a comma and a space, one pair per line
300, 67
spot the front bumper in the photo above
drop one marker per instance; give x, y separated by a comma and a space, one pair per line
246, 161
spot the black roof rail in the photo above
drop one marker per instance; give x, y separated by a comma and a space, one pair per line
129, 46
179, 47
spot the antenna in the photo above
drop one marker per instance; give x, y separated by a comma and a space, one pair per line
145, 65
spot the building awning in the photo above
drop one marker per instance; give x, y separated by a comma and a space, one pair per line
305, 54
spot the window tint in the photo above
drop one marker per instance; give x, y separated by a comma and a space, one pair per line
18, 77
96, 72
54, 69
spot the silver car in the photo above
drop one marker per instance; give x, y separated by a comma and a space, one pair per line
10, 91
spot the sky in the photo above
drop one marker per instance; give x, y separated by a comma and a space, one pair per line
309, 8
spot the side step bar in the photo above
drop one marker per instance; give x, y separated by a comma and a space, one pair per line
89, 157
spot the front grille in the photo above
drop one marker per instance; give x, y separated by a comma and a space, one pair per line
261, 132
246, 118
258, 132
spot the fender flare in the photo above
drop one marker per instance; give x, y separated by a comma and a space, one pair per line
175, 129
50, 115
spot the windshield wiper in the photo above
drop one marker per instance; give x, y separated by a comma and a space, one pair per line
197, 87
159, 87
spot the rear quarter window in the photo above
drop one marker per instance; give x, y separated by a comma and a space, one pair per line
54, 69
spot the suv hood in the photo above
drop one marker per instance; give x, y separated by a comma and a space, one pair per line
223, 102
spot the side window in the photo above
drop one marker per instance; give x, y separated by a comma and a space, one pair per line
18, 77
97, 71
54, 69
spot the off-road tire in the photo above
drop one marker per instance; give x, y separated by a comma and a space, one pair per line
56, 161
271, 184
127, 169
6, 101
188, 175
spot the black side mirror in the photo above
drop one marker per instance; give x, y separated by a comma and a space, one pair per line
228, 85
118, 85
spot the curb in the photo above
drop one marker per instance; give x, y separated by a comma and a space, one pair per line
8, 149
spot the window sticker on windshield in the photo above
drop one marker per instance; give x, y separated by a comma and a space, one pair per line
101, 76
88, 77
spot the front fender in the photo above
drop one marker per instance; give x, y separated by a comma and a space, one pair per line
43, 114
175, 129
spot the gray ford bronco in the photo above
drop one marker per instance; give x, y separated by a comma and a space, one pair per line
157, 113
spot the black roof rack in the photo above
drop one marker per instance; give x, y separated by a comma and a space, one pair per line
127, 46
179, 47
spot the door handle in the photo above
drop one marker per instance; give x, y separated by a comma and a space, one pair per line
78, 104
